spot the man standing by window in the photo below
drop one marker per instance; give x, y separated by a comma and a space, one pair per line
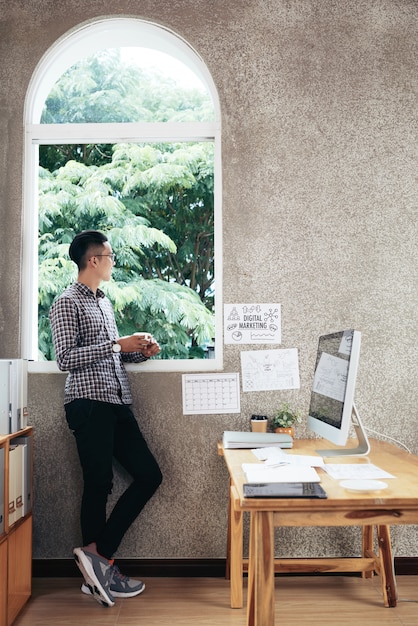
97, 405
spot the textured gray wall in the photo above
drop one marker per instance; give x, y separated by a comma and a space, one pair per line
320, 140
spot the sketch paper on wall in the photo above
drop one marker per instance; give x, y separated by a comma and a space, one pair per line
267, 370
252, 323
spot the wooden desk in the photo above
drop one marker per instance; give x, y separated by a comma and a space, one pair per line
398, 504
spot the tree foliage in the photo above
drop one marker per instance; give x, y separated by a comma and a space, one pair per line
153, 201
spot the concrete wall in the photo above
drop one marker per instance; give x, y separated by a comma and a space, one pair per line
320, 140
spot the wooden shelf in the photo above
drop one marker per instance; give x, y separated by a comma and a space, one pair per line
15, 538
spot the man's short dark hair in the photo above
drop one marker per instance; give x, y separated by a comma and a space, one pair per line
84, 242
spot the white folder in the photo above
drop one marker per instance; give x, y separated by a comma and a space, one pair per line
19, 481
1, 491
23, 421
4, 396
13, 460
13, 395
25, 442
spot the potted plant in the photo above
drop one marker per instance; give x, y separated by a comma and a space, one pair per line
284, 419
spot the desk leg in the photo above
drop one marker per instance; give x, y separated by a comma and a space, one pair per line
386, 566
260, 602
236, 541
367, 547
228, 536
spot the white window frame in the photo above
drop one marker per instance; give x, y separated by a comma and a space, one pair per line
72, 47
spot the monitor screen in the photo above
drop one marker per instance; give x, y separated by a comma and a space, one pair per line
332, 410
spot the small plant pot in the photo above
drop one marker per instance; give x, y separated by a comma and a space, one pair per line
289, 430
259, 424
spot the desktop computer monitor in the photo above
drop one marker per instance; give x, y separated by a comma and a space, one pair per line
332, 411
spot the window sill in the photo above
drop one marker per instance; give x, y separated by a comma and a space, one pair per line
192, 365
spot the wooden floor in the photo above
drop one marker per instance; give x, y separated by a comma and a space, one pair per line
300, 601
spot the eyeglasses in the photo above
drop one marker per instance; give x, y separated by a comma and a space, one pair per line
112, 256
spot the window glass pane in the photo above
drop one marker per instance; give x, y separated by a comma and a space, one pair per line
154, 195
155, 203
128, 85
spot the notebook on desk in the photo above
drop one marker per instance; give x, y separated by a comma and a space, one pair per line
246, 439
284, 490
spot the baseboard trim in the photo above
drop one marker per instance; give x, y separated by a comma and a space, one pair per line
406, 566
173, 568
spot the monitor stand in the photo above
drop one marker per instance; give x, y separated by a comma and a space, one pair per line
363, 447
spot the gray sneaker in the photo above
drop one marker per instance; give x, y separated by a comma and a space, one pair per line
121, 586
97, 573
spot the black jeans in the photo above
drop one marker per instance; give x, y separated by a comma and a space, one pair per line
103, 431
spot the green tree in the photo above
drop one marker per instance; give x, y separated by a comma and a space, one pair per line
171, 186
154, 202
102, 88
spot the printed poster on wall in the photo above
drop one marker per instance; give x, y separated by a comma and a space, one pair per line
252, 323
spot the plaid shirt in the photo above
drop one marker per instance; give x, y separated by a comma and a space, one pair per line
83, 331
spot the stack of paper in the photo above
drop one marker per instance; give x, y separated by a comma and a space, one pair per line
246, 439
261, 473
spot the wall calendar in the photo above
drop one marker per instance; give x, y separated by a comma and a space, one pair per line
210, 393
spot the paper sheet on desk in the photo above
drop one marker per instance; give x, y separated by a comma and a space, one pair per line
261, 473
355, 471
273, 456
263, 454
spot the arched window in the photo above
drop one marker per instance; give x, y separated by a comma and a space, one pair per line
120, 132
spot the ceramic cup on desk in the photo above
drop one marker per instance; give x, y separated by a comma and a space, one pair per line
259, 423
